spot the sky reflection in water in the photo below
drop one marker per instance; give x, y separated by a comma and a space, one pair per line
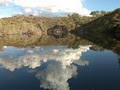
54, 67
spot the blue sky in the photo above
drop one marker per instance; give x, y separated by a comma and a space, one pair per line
54, 7
106, 5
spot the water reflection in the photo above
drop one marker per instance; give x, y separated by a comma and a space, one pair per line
56, 73
58, 31
55, 77
44, 40
102, 39
19, 40
65, 56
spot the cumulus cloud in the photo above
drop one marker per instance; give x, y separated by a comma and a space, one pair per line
50, 7
1, 16
5, 2
55, 6
28, 10
65, 56
54, 77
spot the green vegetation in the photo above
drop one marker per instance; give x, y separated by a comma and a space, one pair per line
37, 25
35, 40
103, 31
107, 24
101, 21
98, 13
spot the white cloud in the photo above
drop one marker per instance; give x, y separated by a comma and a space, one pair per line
28, 10
54, 77
4, 2
55, 6
50, 7
1, 16
65, 56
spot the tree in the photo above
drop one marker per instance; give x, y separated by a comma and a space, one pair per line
103, 13
95, 13
76, 18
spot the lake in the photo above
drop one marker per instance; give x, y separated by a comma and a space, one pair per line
57, 67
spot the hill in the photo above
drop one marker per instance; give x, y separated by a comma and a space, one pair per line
108, 24
37, 25
103, 31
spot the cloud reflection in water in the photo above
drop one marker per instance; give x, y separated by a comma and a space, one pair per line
55, 75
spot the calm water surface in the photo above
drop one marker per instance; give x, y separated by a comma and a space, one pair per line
58, 68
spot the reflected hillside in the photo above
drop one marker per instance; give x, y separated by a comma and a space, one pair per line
104, 41
44, 40
19, 40
68, 40
103, 31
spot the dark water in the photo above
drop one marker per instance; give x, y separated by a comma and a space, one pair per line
58, 68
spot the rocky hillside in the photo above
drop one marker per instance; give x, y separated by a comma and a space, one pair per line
36, 25
108, 24
103, 31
